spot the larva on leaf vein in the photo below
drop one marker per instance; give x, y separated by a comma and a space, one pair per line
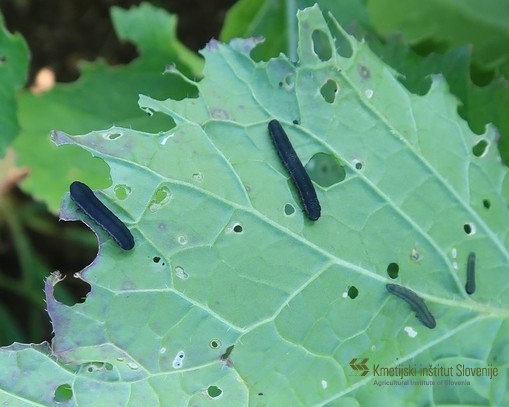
417, 303
296, 170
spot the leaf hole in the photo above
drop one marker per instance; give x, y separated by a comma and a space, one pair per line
329, 90
71, 291
353, 292
321, 45
113, 136
325, 170
178, 361
122, 191
161, 197
156, 259
98, 366
469, 228
237, 228
393, 270
486, 203
357, 164
341, 42
295, 121
289, 209
480, 148
214, 392
181, 273
63, 393
215, 343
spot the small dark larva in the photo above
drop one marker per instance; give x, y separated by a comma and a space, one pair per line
416, 302
86, 200
296, 170
470, 285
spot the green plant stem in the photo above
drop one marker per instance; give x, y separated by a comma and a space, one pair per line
291, 29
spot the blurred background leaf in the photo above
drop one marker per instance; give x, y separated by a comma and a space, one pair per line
104, 96
13, 73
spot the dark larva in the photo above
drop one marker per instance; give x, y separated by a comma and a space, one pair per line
296, 170
83, 196
470, 285
416, 302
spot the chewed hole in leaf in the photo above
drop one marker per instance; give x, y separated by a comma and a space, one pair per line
486, 203
469, 228
321, 45
63, 393
393, 270
215, 343
325, 170
161, 197
357, 164
122, 191
353, 292
98, 366
289, 209
237, 228
181, 273
295, 121
71, 291
364, 71
480, 148
342, 43
156, 259
329, 90
178, 361
214, 392
113, 136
